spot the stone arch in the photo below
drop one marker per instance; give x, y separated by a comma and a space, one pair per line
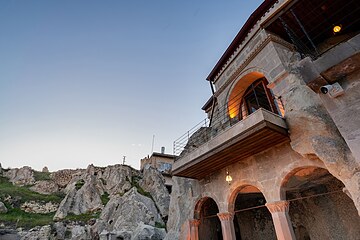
318, 204
289, 170
252, 219
199, 203
235, 106
206, 210
236, 91
241, 186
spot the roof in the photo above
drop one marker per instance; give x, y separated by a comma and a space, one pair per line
209, 103
162, 155
254, 17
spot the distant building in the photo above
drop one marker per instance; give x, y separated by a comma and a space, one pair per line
279, 155
162, 162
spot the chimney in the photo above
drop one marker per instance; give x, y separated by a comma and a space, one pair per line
162, 150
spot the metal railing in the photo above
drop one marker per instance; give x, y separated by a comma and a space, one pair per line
223, 118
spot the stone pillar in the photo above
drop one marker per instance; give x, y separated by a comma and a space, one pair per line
194, 229
280, 215
227, 225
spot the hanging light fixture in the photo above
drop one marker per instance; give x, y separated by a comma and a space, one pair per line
228, 177
337, 28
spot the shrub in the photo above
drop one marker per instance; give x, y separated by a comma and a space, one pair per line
84, 217
42, 176
105, 198
19, 218
79, 184
24, 194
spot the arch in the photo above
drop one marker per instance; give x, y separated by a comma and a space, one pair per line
252, 219
200, 200
241, 187
206, 210
237, 90
278, 193
249, 93
318, 204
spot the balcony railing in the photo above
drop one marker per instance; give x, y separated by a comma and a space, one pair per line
207, 129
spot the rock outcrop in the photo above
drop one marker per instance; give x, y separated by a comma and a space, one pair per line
154, 183
82, 196
183, 198
148, 232
127, 211
314, 135
45, 187
3, 208
20, 176
118, 202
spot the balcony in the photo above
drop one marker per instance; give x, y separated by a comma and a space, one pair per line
206, 151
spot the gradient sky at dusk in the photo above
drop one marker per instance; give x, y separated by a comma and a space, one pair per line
91, 81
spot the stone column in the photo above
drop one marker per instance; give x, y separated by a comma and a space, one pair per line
280, 215
227, 225
194, 229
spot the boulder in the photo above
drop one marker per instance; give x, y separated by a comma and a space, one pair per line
63, 177
154, 182
3, 208
146, 232
9, 234
59, 229
124, 213
82, 196
21, 176
80, 233
37, 233
116, 179
45, 187
45, 169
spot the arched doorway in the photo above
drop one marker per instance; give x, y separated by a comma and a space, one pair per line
252, 219
319, 209
210, 225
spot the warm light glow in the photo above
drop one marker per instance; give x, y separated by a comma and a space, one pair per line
233, 112
337, 28
228, 178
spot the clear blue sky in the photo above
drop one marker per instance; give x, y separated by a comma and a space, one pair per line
91, 81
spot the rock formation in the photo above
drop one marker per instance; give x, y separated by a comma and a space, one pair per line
45, 187
183, 196
20, 176
113, 202
153, 182
3, 208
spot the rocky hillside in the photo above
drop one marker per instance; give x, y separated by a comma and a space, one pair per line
113, 202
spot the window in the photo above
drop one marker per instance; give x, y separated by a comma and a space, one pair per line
256, 96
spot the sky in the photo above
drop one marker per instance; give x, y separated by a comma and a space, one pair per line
88, 82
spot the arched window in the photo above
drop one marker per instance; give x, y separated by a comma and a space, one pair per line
256, 96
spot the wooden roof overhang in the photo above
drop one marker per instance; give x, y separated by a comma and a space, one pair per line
260, 136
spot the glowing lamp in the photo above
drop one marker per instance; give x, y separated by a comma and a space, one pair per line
228, 177
337, 28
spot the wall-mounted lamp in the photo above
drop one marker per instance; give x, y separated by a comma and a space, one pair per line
228, 177
337, 28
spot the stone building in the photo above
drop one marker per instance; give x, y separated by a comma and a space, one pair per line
162, 162
279, 156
